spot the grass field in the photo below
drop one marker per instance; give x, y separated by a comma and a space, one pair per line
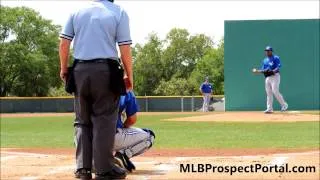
58, 132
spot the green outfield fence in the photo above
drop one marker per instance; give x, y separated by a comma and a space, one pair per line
146, 104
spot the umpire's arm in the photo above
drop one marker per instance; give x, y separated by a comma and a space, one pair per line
66, 36
64, 57
124, 41
126, 57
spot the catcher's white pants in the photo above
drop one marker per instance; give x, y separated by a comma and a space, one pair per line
132, 141
272, 88
206, 102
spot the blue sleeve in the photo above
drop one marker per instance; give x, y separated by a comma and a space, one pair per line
68, 30
277, 60
123, 30
131, 104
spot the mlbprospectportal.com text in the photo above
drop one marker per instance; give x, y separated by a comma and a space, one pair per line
253, 168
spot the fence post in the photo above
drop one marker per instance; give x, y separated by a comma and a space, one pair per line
192, 103
182, 104
146, 103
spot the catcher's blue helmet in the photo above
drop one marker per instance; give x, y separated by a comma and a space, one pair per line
268, 48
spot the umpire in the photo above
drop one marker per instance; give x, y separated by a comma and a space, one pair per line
95, 30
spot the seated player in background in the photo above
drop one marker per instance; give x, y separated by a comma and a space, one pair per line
130, 141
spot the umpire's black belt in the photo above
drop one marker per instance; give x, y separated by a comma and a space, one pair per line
100, 60
116, 73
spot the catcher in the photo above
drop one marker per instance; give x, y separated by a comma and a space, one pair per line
271, 70
130, 141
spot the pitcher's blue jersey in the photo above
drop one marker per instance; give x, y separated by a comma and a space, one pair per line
128, 105
271, 63
206, 87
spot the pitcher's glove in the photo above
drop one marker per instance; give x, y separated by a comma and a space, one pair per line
268, 72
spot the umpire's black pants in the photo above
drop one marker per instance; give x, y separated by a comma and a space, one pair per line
96, 110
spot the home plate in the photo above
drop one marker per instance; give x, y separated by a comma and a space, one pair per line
165, 167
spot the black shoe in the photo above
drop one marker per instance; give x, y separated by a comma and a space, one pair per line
115, 173
125, 161
83, 174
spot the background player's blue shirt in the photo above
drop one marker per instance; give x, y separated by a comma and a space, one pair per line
128, 105
206, 87
271, 63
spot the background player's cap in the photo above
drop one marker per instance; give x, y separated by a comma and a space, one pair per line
268, 48
206, 78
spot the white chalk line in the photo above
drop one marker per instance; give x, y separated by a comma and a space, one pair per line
6, 158
29, 178
279, 161
50, 172
24, 153
15, 155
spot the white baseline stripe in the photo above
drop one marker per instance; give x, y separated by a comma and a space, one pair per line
29, 178
147, 162
279, 161
23, 153
51, 172
8, 158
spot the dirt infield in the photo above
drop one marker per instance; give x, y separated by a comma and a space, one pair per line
247, 116
34, 164
250, 117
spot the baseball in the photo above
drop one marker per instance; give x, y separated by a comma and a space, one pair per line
254, 70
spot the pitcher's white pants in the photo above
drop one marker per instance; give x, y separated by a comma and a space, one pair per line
272, 88
206, 102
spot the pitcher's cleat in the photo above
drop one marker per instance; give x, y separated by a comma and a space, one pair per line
268, 111
284, 107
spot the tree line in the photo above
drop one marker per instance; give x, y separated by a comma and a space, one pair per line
176, 65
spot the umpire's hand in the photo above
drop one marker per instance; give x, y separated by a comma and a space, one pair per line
63, 74
128, 83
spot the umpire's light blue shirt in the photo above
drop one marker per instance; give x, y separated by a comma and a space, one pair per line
96, 29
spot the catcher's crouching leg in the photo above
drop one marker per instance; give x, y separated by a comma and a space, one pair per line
122, 158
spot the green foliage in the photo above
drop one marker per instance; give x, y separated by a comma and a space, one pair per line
178, 64
211, 65
57, 91
148, 69
29, 62
174, 87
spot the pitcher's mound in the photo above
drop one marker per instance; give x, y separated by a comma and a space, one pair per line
250, 117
